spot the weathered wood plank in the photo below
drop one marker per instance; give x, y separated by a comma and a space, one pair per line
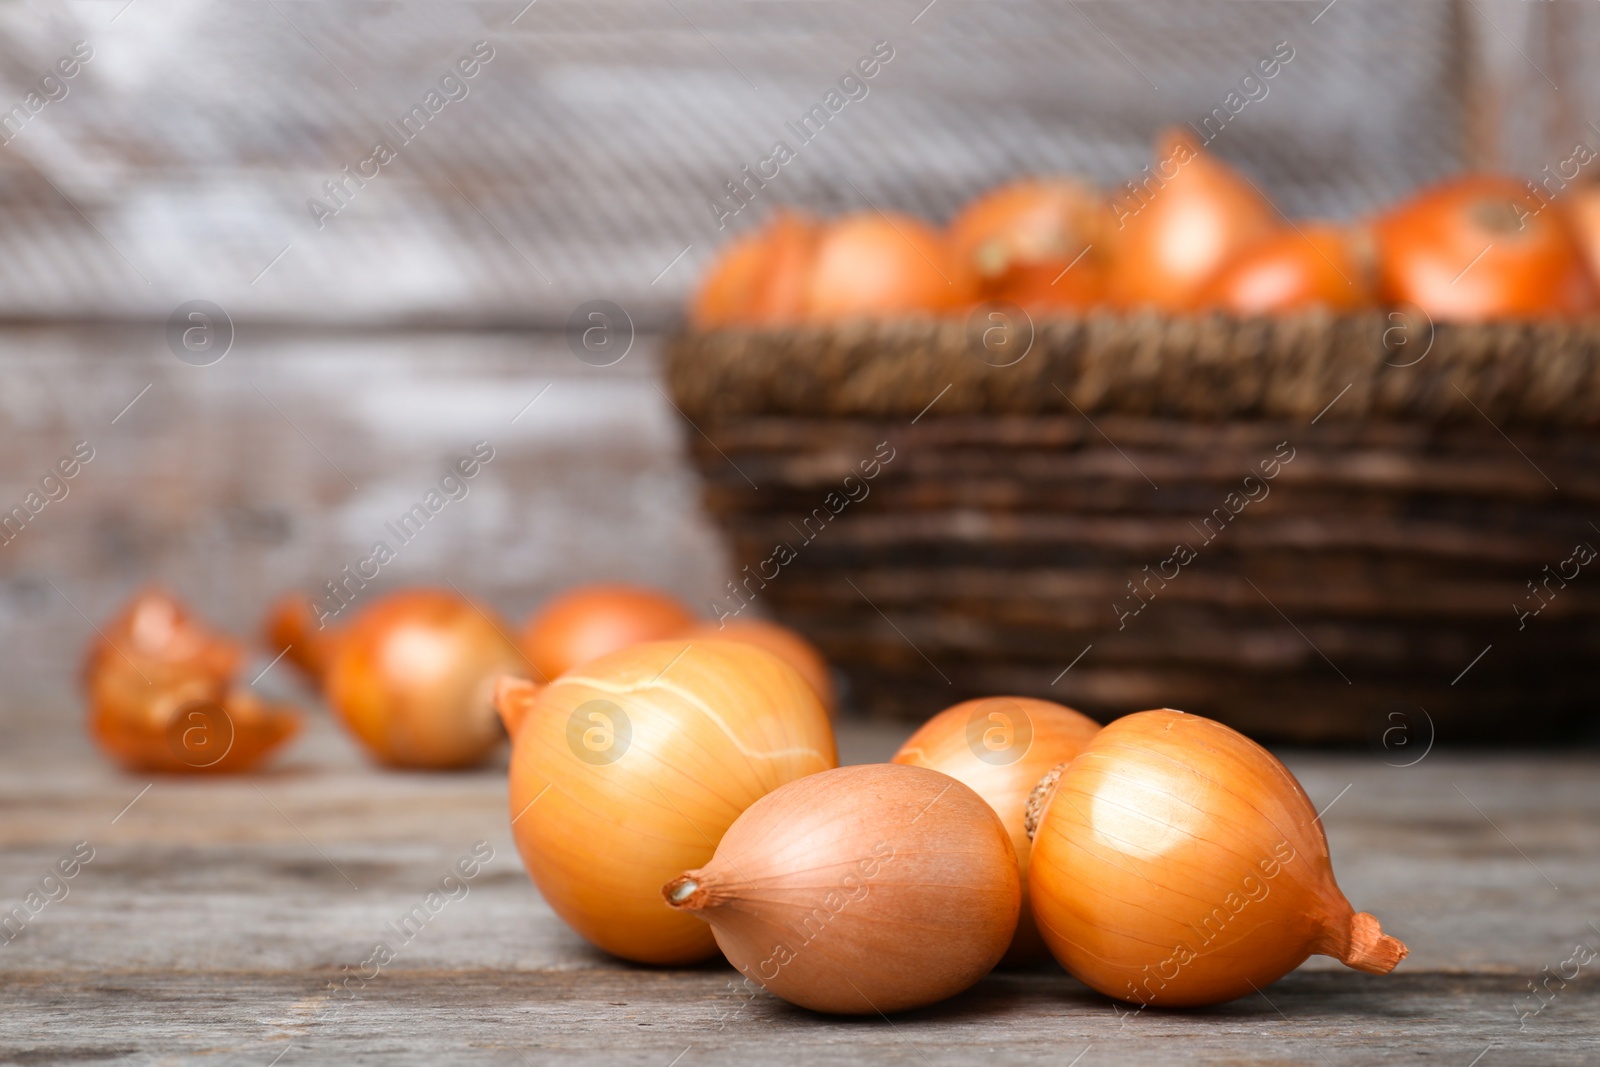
215, 913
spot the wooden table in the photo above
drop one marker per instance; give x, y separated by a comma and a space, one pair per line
214, 915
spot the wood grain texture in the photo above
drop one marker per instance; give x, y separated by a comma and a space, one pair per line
582, 163
281, 464
214, 915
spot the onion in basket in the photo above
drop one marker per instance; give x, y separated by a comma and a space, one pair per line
1479, 248
1181, 224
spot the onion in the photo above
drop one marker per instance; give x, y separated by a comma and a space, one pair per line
864, 889
629, 769
758, 279
727, 296
1318, 265
1177, 863
1479, 248
413, 678
1192, 215
1022, 238
593, 620
161, 698
1583, 213
880, 265
1054, 285
291, 624
783, 642
1000, 747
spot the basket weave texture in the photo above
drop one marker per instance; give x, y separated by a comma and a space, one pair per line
1384, 521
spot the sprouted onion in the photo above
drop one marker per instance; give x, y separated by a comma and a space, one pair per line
1177, 863
860, 890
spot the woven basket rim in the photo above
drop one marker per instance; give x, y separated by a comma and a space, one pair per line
1374, 365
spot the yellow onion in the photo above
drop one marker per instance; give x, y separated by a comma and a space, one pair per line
291, 627
1000, 747
629, 769
588, 622
1177, 863
860, 890
1174, 234
783, 642
413, 678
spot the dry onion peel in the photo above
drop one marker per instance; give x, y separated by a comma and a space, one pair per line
1178, 863
628, 770
998, 747
866, 889
161, 697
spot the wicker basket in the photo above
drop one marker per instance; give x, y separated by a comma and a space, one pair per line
1380, 518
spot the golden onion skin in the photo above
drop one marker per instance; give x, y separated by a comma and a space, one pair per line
1178, 863
628, 770
862, 890
1000, 747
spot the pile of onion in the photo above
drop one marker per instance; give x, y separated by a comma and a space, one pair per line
162, 696
1190, 235
1000, 747
628, 770
413, 677
799, 270
1177, 863
862, 890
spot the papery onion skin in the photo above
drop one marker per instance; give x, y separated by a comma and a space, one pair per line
1178, 863
591, 621
413, 678
1000, 747
628, 770
801, 654
153, 668
861, 890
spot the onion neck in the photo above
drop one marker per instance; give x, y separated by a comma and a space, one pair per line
1359, 942
687, 892
513, 697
